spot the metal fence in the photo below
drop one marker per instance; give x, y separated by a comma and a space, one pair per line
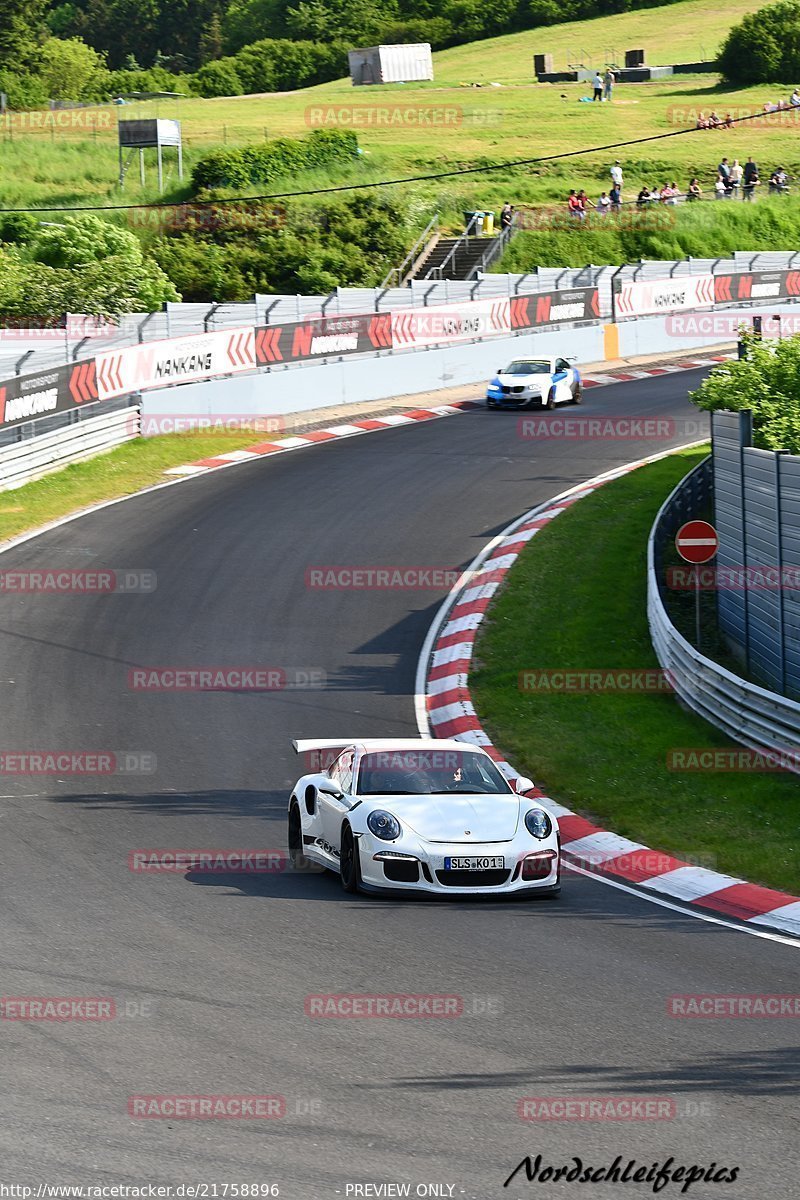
68, 438
745, 711
35, 350
757, 515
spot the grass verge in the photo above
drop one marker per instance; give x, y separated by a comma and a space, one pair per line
121, 472
576, 600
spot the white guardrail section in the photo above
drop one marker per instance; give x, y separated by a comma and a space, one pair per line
22, 462
759, 719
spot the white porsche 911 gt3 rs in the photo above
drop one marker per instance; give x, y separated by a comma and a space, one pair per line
421, 815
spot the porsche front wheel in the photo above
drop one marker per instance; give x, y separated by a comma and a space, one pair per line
349, 871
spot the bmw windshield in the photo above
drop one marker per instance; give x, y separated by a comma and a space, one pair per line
527, 367
429, 772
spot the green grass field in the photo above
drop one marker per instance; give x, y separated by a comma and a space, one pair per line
450, 123
605, 754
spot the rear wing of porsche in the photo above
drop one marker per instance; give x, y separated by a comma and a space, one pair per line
303, 746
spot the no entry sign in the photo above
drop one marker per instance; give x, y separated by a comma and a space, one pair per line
696, 541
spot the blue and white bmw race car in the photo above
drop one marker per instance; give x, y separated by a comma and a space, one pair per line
421, 815
535, 383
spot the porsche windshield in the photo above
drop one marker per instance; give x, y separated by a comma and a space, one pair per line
528, 366
428, 772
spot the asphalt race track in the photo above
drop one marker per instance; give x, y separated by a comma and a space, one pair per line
210, 972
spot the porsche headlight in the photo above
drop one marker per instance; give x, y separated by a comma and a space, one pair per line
538, 824
383, 825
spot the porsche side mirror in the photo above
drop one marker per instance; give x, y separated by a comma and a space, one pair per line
329, 788
523, 785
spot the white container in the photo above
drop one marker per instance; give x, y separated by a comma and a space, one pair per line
391, 64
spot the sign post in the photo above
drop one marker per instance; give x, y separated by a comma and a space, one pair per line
697, 542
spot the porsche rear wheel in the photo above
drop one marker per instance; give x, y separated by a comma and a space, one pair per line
577, 394
349, 871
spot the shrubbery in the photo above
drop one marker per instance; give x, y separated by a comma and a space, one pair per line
764, 47
350, 242
244, 166
82, 265
766, 381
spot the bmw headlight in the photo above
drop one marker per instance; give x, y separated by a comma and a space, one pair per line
538, 824
383, 825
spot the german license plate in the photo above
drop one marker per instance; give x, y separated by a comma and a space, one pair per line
472, 862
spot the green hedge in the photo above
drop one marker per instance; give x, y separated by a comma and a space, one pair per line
240, 168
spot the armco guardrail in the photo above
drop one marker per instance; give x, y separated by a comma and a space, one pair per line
749, 714
194, 357
84, 337
22, 462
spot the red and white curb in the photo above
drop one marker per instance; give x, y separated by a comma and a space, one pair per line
445, 710
314, 437
370, 425
622, 376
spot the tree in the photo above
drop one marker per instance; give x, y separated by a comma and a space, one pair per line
71, 70
764, 47
22, 28
766, 381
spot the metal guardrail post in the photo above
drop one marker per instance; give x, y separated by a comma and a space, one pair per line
20, 363
79, 347
143, 325
613, 291
210, 314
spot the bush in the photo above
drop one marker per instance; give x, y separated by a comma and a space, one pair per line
351, 243
239, 168
71, 70
764, 47
218, 78
768, 382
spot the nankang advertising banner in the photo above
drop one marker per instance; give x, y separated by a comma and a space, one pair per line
29, 397
653, 296
179, 360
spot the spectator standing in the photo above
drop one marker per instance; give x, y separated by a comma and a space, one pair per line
724, 172
597, 84
694, 191
603, 204
609, 79
506, 215
615, 198
720, 189
735, 178
750, 180
616, 175
574, 206
583, 201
